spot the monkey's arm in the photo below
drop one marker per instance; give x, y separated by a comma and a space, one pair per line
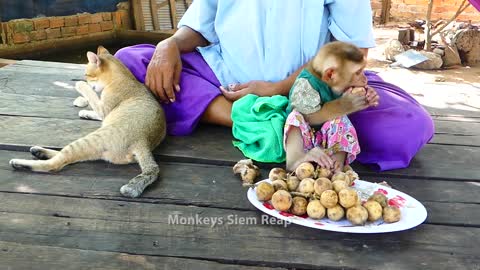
329, 111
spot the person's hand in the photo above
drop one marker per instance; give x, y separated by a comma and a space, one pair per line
372, 97
318, 156
353, 102
163, 71
260, 88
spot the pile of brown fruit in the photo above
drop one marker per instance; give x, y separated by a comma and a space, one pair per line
318, 192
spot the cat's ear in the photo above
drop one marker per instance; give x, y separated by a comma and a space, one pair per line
93, 58
102, 50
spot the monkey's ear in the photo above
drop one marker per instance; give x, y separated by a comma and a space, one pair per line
328, 74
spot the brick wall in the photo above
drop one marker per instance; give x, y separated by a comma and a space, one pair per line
51, 29
407, 10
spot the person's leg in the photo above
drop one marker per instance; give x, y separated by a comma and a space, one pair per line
393, 132
218, 112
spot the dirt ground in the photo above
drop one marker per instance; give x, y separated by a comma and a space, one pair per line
456, 89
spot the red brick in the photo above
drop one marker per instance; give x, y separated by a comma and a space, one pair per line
84, 18
94, 28
69, 31
38, 35
53, 33
20, 26
21, 38
71, 21
41, 23
82, 30
106, 26
57, 22
107, 16
96, 18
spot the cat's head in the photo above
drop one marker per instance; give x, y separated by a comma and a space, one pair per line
97, 72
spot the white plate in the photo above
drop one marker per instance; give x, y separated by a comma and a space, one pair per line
413, 212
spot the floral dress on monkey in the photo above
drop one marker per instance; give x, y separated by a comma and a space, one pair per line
307, 96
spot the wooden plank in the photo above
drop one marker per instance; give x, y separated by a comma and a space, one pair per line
433, 161
457, 133
38, 106
39, 81
24, 256
145, 230
215, 186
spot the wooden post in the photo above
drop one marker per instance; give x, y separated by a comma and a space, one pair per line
138, 15
173, 14
154, 12
385, 17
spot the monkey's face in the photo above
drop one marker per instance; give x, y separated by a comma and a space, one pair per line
352, 75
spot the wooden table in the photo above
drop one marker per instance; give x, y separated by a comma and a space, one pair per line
77, 219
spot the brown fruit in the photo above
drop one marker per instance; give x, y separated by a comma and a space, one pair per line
347, 197
322, 184
380, 198
279, 185
306, 186
282, 200
391, 214
357, 215
304, 170
341, 176
315, 209
335, 213
339, 185
277, 174
264, 191
292, 182
299, 206
329, 198
374, 210
352, 175
324, 172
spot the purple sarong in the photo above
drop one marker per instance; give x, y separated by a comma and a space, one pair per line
390, 135
198, 86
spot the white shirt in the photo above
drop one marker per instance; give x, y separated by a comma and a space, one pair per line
270, 39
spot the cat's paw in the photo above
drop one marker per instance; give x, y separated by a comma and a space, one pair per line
81, 84
131, 191
89, 115
39, 152
80, 102
20, 164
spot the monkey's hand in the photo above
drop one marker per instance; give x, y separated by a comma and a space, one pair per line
372, 97
317, 155
352, 102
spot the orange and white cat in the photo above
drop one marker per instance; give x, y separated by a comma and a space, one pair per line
133, 125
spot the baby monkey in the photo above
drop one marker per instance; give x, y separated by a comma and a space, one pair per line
332, 86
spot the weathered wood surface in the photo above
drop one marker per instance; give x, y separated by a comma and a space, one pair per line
145, 229
36, 257
433, 161
77, 217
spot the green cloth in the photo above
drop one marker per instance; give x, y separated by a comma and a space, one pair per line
326, 93
258, 127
